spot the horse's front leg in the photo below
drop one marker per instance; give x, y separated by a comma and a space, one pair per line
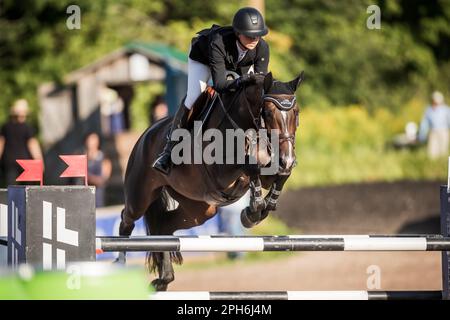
251, 215
256, 198
271, 199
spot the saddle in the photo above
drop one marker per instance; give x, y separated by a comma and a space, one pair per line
202, 107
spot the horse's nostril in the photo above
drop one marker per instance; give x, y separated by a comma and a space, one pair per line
287, 162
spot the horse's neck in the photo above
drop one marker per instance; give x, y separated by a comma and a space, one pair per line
227, 175
219, 120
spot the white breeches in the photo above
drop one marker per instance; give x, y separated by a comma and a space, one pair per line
198, 77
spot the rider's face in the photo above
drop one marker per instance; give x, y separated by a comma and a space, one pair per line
248, 42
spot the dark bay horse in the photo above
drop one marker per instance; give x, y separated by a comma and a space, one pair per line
200, 188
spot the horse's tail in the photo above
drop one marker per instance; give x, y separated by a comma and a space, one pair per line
154, 217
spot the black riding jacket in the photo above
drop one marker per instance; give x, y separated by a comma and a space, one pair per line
216, 47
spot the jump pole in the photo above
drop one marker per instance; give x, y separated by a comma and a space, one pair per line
274, 243
298, 295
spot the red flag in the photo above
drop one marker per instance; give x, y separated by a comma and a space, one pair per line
77, 166
32, 170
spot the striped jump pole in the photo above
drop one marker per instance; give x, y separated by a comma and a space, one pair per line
274, 243
298, 295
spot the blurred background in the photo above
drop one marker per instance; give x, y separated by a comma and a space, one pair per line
372, 150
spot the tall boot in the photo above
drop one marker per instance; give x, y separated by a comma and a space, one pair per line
164, 162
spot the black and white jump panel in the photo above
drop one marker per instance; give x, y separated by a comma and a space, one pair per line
3, 227
50, 225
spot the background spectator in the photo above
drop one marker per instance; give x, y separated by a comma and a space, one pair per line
17, 141
99, 168
435, 125
158, 109
111, 110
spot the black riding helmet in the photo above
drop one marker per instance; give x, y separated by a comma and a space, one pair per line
249, 22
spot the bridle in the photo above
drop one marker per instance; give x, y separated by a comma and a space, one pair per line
279, 100
283, 103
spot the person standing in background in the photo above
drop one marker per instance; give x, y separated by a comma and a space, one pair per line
111, 111
99, 168
158, 109
17, 141
435, 126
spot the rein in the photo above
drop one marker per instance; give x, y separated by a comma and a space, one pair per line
283, 102
255, 120
280, 101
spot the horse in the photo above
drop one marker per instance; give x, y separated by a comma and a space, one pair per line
200, 188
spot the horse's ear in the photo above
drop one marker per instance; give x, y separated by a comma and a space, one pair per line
293, 85
268, 80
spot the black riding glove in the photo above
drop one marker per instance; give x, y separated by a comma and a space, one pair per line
246, 78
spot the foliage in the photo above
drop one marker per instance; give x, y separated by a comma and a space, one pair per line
346, 63
144, 95
348, 145
349, 64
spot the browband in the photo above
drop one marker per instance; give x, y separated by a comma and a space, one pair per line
282, 103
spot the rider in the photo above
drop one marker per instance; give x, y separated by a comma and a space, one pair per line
214, 51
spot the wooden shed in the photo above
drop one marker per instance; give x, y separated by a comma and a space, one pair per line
70, 111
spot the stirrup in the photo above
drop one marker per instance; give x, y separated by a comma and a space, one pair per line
163, 163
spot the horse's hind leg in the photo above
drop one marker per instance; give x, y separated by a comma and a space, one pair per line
166, 273
135, 207
159, 261
162, 222
125, 229
126, 226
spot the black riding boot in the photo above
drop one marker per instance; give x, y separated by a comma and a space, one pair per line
164, 162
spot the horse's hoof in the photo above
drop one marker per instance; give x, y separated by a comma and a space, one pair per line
246, 221
159, 285
121, 259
